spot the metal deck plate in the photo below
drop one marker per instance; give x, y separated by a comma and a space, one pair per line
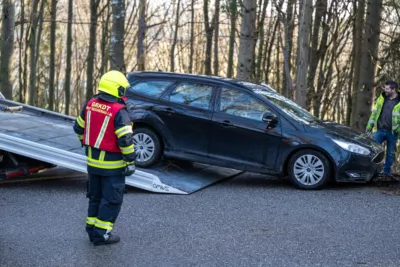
190, 178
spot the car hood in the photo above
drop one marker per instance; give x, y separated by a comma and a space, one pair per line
342, 132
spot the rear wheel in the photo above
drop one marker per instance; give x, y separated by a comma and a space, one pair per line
309, 169
148, 147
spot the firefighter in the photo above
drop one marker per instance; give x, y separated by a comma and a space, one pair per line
104, 128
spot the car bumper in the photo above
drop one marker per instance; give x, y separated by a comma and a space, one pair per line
358, 168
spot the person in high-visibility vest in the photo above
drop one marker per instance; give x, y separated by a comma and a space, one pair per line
385, 118
105, 129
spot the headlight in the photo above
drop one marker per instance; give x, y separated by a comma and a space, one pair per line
352, 147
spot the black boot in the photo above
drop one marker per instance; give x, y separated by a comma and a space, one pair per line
89, 230
110, 240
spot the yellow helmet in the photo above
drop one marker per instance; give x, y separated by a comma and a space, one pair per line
113, 83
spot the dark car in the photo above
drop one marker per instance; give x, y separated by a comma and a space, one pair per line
245, 126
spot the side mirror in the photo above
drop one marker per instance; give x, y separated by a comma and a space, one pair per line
269, 117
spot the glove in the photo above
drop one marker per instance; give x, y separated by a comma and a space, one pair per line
368, 132
129, 169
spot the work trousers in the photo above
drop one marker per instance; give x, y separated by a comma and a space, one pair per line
391, 139
105, 195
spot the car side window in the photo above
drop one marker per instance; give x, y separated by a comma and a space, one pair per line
191, 94
240, 104
150, 88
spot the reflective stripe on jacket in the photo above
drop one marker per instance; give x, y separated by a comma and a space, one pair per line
376, 112
99, 125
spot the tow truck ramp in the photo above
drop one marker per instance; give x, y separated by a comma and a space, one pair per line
48, 137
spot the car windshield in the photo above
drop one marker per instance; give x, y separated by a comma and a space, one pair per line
285, 104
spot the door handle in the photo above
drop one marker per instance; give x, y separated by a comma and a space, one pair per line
227, 124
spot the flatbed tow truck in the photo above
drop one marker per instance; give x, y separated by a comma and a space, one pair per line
33, 140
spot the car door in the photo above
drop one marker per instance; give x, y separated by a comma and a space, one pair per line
239, 135
186, 111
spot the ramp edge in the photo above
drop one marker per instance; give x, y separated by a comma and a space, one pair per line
74, 161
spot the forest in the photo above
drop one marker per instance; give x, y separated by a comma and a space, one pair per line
332, 57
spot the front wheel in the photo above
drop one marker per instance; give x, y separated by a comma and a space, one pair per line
148, 147
309, 169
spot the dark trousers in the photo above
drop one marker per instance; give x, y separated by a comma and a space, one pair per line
105, 195
391, 139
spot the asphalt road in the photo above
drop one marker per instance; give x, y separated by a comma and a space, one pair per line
249, 220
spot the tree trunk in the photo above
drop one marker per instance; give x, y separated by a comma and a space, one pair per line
322, 52
216, 37
246, 46
304, 47
320, 12
350, 100
191, 37
32, 46
172, 53
289, 28
232, 35
141, 62
368, 63
261, 34
359, 7
92, 48
287, 81
67, 84
268, 57
21, 98
117, 35
209, 35
52, 53
40, 99
105, 41
25, 78
7, 47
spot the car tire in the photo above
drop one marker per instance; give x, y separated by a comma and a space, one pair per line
309, 169
148, 147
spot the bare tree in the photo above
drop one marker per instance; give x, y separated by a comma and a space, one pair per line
304, 47
117, 35
52, 52
32, 48
232, 11
246, 47
7, 47
209, 28
368, 63
216, 37
191, 55
67, 83
320, 12
105, 39
141, 57
261, 35
94, 4
176, 28
359, 7
287, 81
21, 81
289, 24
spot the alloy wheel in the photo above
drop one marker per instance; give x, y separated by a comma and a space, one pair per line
144, 147
308, 169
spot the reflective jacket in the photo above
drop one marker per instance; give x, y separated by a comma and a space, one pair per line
104, 127
376, 112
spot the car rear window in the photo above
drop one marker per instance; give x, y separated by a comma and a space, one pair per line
150, 88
